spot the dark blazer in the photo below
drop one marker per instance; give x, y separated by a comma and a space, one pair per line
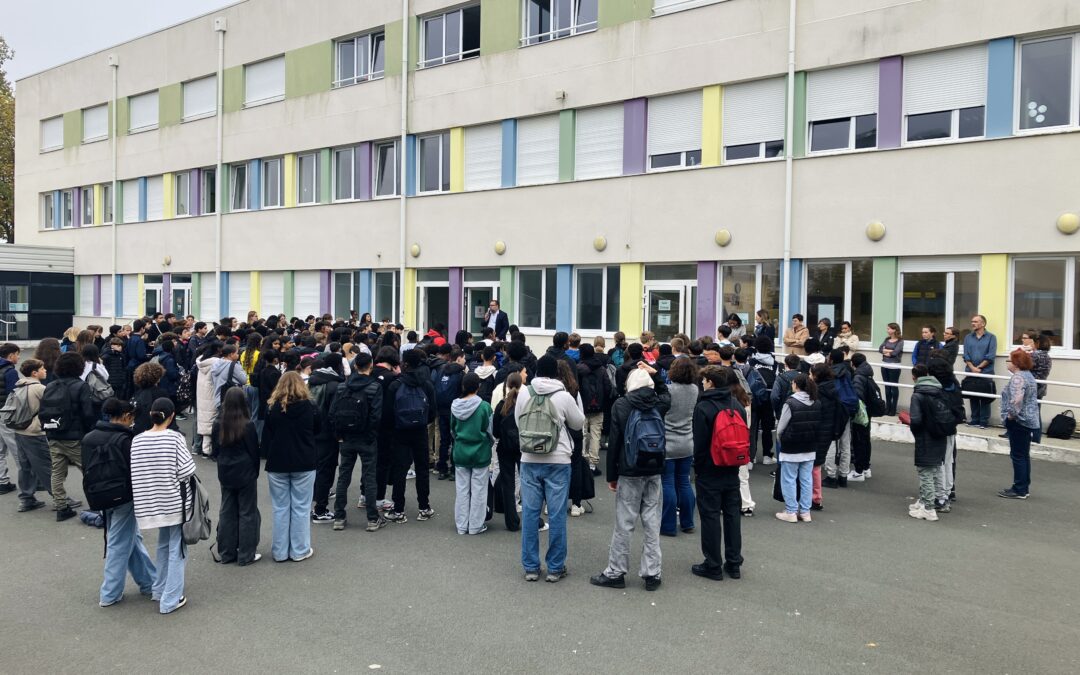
502, 323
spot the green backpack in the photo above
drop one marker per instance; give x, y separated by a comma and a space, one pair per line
539, 426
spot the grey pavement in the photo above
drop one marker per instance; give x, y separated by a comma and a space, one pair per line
991, 588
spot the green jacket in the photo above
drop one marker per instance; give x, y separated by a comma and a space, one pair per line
470, 425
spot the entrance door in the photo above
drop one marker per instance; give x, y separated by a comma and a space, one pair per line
665, 311
181, 299
433, 307
152, 296
477, 299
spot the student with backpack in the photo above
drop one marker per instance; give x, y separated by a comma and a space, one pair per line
544, 412
447, 381
597, 394
486, 372
719, 423
414, 408
634, 464
874, 405
107, 486
66, 415
356, 417
236, 451
838, 459
20, 414
508, 448
147, 381
227, 373
323, 385
762, 418
9, 377
930, 419
942, 369
387, 369
798, 430
470, 426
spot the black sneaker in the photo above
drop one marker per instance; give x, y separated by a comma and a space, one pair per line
425, 514
597, 472
829, 482
605, 581
952, 497
6, 488
324, 517
31, 506
943, 506
816, 506
747, 513
1011, 494
702, 571
71, 504
395, 517
652, 583
842, 481
64, 514
443, 475
733, 572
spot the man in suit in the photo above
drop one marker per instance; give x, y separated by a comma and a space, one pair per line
497, 320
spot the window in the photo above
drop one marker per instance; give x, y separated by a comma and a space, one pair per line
107, 295
596, 296
131, 201
661, 7
106, 203
1043, 292
86, 295
384, 304
547, 20
450, 37
307, 175
434, 163
47, 212
264, 82
343, 294
272, 293
273, 183
675, 131
754, 117
343, 173
208, 191
143, 112
537, 289
746, 288
840, 291
200, 98
938, 293
359, 59
238, 200
387, 178
538, 150
483, 157
841, 108
1047, 83
598, 142
52, 133
67, 204
182, 194
86, 206
155, 198
945, 94
95, 123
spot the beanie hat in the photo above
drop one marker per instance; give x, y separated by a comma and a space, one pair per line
637, 379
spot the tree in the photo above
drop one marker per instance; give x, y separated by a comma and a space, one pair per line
7, 149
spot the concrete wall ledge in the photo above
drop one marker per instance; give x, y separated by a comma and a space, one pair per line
980, 440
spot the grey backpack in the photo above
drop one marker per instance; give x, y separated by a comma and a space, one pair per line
538, 425
16, 413
100, 389
197, 525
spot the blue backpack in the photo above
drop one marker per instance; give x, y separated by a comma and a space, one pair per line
845, 393
447, 388
645, 445
410, 408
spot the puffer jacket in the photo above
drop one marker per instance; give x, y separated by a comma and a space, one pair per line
929, 451
204, 407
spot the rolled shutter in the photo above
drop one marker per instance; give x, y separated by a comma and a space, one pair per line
131, 203
538, 150
95, 123
675, 123
272, 287
155, 198
842, 92
306, 294
108, 297
86, 295
131, 295
598, 146
143, 110
208, 298
945, 80
754, 111
264, 81
483, 157
239, 293
200, 97
52, 133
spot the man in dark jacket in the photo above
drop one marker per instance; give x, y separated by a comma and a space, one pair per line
867, 391
386, 370
323, 385
929, 447
447, 383
65, 445
949, 349
596, 395
636, 424
362, 444
412, 442
717, 486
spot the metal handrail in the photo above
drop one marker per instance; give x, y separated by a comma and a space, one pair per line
7, 328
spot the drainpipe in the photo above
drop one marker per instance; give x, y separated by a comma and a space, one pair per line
114, 63
785, 301
402, 169
220, 25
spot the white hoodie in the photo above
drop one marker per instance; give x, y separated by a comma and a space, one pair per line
568, 410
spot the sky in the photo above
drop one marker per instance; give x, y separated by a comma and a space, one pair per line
46, 33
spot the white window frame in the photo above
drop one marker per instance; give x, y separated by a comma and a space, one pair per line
264, 179
461, 54
395, 284
208, 178
369, 38
846, 315
851, 136
1074, 98
99, 137
396, 154
155, 187
86, 198
693, 123
149, 126
544, 270
269, 99
107, 215
48, 213
45, 127
334, 294
443, 145
575, 28
67, 201
197, 115
314, 156
682, 5
1068, 319
954, 135
181, 185
949, 266
604, 328
334, 170
683, 157
759, 278
235, 185
761, 153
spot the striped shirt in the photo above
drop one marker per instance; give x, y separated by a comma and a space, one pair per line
159, 461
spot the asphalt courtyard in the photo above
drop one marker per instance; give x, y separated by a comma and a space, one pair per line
991, 588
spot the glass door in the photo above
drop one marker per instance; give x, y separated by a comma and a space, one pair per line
666, 311
432, 307
181, 299
477, 299
152, 296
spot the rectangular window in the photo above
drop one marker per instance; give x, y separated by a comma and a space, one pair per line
945, 94
155, 198
386, 177
536, 298
343, 290
47, 206
343, 174
95, 123
598, 142
273, 183
52, 133
143, 112
661, 7
596, 295
754, 116
450, 37
840, 291
86, 295
547, 20
107, 203
208, 192
67, 206
86, 206
238, 200
841, 108
359, 59
107, 295
932, 295
746, 288
307, 179
1039, 298
386, 296
434, 163
200, 98
131, 201
483, 157
182, 194
675, 131
264, 82
1046, 83
538, 150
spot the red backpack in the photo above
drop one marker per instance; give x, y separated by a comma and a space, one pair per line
730, 439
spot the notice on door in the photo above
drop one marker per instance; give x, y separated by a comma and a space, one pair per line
480, 311
663, 319
664, 305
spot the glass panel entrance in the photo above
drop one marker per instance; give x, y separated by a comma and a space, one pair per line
666, 312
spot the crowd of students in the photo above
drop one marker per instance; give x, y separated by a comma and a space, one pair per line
519, 434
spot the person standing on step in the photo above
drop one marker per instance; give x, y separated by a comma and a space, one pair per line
980, 348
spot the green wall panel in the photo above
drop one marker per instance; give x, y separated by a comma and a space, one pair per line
886, 278
324, 176
233, 81
566, 145
799, 128
170, 105
309, 70
506, 292
393, 37
289, 287
123, 116
72, 128
500, 25
614, 12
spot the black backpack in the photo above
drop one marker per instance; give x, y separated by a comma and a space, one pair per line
57, 413
3, 374
591, 391
940, 420
229, 382
1062, 426
106, 477
767, 373
350, 411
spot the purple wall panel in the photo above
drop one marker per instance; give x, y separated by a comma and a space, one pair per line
890, 101
456, 303
324, 291
363, 171
635, 129
706, 297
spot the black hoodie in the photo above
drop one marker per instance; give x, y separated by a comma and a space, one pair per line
560, 355
594, 383
288, 441
323, 385
385, 377
417, 377
643, 398
106, 435
360, 384
709, 404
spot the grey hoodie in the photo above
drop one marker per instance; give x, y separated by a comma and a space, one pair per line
219, 372
568, 409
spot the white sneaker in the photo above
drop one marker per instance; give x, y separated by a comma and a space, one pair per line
544, 526
768, 460
916, 506
576, 511
750, 466
867, 474
386, 505
362, 503
856, 477
924, 513
410, 475
519, 508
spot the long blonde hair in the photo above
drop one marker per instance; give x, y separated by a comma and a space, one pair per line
290, 389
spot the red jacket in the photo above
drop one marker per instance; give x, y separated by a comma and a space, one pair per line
436, 338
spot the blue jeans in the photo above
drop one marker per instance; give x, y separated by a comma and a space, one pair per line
539, 483
124, 552
803, 474
290, 498
1020, 453
677, 494
171, 562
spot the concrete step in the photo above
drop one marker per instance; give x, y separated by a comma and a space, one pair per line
982, 440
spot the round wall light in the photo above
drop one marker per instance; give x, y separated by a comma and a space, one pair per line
875, 231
